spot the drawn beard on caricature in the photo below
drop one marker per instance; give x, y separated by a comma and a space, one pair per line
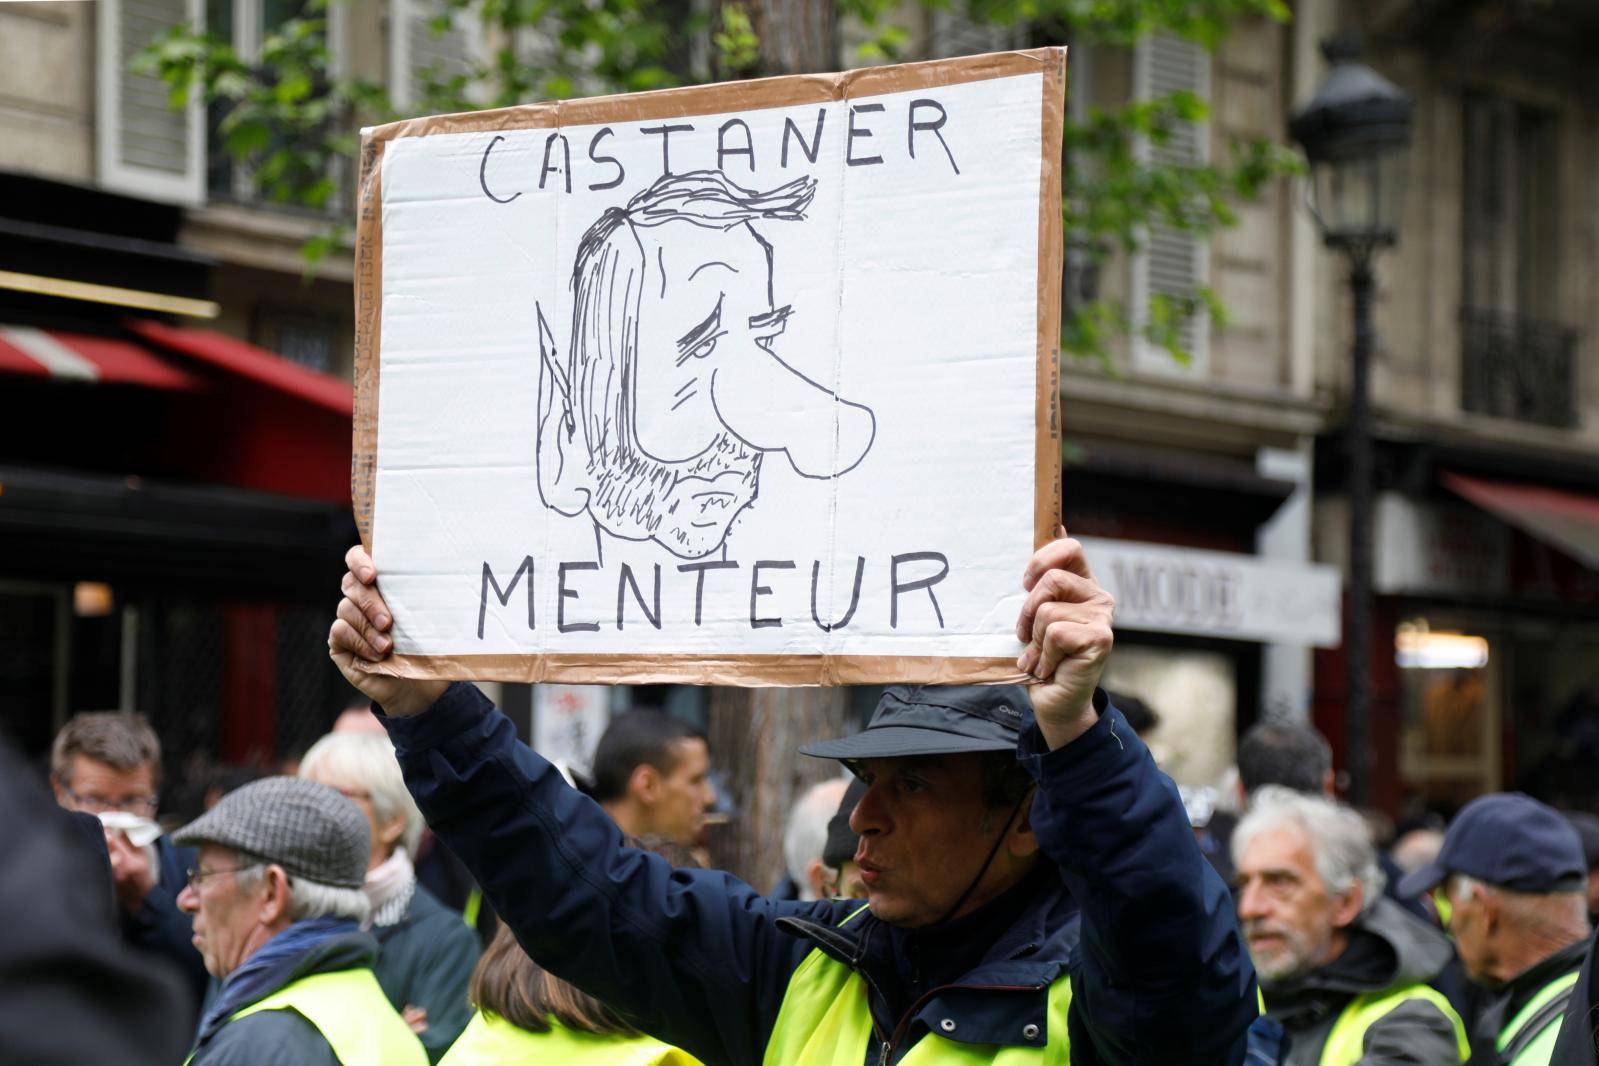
657, 417
688, 507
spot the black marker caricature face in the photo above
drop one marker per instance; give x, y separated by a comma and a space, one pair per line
674, 385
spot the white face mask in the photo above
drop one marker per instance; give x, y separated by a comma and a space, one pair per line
141, 832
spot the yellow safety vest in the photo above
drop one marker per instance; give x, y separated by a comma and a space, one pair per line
1346, 1042
489, 1040
1529, 1039
353, 1015
825, 1021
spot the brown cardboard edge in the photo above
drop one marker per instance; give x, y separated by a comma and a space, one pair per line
754, 95
1047, 489
746, 670
368, 327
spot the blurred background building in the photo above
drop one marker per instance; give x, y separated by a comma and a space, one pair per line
1487, 534
176, 402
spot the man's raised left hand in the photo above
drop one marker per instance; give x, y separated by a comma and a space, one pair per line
1066, 625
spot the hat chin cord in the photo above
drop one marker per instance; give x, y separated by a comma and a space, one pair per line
992, 853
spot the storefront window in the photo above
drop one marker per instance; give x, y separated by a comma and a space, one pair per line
1195, 694
1448, 744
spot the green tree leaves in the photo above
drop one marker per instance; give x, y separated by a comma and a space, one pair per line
291, 123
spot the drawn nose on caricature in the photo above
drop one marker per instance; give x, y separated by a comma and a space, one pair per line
773, 407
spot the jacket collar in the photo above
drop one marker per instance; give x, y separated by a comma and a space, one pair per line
1387, 947
998, 1000
315, 946
1516, 992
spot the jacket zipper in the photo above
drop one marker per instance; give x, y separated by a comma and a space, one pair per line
910, 1014
882, 1058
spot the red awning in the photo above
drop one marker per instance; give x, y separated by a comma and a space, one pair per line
1566, 520
230, 413
246, 360
43, 353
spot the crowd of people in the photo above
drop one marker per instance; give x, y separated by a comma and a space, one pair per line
256, 913
995, 874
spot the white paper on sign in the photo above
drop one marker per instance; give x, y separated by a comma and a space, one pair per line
755, 382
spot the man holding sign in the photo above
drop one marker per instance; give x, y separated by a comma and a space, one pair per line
1034, 890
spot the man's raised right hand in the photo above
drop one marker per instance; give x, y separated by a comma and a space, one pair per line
360, 631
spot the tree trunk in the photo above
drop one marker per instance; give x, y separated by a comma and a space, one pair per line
797, 36
755, 736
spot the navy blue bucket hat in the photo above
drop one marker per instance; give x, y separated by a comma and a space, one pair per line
935, 720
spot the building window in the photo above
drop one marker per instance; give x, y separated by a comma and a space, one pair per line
143, 147
1172, 263
247, 23
429, 42
1517, 360
298, 336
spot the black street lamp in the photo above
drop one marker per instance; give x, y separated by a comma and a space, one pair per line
1356, 133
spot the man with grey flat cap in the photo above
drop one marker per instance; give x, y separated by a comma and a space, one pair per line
996, 822
1512, 879
277, 903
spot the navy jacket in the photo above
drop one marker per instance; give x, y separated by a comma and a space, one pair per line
160, 928
701, 960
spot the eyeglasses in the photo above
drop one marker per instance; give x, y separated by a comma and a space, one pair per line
196, 875
92, 803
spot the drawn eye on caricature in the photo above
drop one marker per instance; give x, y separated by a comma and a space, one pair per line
700, 341
706, 347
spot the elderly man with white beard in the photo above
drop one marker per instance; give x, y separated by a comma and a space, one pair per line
1342, 969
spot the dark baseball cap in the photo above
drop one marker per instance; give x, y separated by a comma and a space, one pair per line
1510, 840
935, 720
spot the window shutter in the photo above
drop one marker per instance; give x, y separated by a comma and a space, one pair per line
144, 147
955, 33
414, 49
1171, 262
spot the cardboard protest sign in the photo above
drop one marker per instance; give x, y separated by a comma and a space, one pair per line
751, 383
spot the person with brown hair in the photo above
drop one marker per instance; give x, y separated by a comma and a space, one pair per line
526, 1014
108, 764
